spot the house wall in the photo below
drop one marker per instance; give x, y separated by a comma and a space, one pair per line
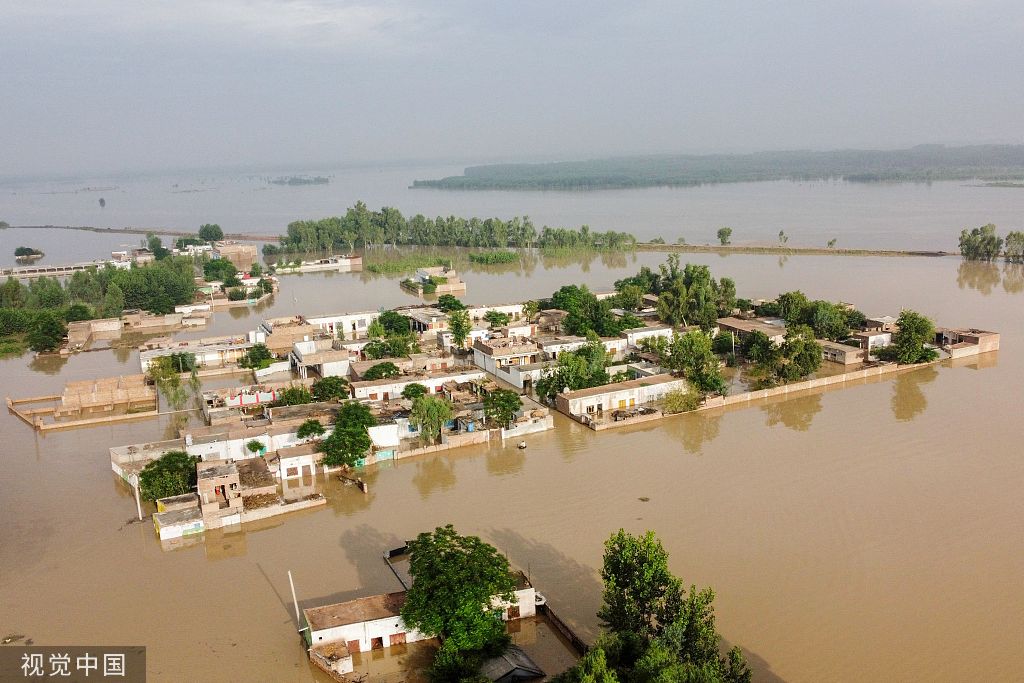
394, 388
616, 399
633, 337
364, 633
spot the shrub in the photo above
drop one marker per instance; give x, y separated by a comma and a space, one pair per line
679, 401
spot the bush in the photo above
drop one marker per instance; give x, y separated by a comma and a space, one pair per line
679, 401
310, 429
47, 332
381, 371
237, 294
257, 358
173, 474
330, 389
723, 343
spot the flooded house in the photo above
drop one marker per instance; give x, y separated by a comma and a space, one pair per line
592, 404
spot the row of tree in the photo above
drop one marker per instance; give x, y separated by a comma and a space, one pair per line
984, 244
687, 295
361, 227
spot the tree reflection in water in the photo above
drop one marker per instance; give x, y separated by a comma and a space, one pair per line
795, 413
979, 275
437, 473
908, 401
1013, 278
696, 429
506, 459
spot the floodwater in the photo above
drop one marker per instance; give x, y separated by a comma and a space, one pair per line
867, 533
873, 216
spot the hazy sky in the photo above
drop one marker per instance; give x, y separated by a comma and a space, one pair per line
111, 85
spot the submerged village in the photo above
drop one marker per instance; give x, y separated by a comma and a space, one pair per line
315, 396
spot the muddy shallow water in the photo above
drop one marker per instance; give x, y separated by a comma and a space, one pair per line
867, 533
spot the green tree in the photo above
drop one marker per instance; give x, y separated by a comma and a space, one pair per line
724, 235
692, 355
77, 312
254, 446
394, 323
211, 232
349, 440
295, 395
460, 326
448, 303
630, 297
530, 309
258, 357
330, 389
310, 429
793, 306
783, 237
113, 301
801, 354
172, 474
256, 270
501, 406
592, 668
47, 332
679, 401
1015, 245
430, 414
455, 583
376, 330
497, 318
828, 320
908, 342
382, 371
980, 244
640, 593
414, 391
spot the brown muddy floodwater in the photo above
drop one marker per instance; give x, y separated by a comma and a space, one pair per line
872, 532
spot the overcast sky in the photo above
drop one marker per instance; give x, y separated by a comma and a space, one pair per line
124, 85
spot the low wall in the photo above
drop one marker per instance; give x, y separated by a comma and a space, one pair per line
273, 368
531, 427
450, 442
281, 509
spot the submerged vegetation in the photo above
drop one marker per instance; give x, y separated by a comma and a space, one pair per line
924, 163
984, 244
361, 227
491, 257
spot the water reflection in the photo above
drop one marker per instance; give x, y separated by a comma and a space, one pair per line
908, 401
696, 429
48, 364
794, 413
1013, 278
979, 275
782, 260
437, 473
505, 460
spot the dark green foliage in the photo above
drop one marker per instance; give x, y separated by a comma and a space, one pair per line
723, 343
980, 244
497, 318
828, 320
211, 232
855, 320
158, 287
381, 371
76, 312
220, 269
156, 245
330, 389
1015, 245
414, 391
362, 227
587, 314
501, 406
460, 326
792, 306
27, 251
183, 242
688, 295
394, 323
392, 346
640, 593
254, 446
908, 343
454, 579
348, 441
310, 428
172, 474
294, 396
724, 235
237, 294
46, 332
448, 303
578, 369
258, 357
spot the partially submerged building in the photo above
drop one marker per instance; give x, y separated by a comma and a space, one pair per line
773, 328
960, 342
594, 402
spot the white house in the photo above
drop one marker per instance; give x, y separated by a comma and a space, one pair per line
634, 335
391, 387
321, 356
619, 395
344, 325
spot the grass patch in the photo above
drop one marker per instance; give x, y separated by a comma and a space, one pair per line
12, 346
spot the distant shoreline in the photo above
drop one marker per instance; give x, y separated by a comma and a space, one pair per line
770, 250
245, 237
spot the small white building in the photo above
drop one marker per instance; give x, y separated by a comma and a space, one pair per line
325, 357
391, 388
873, 339
634, 335
617, 396
499, 353
344, 325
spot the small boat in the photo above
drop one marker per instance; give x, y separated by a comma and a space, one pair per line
522, 445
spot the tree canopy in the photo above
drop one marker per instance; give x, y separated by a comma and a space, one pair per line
980, 244
349, 441
455, 581
908, 342
460, 326
330, 388
172, 474
211, 232
501, 406
430, 414
382, 371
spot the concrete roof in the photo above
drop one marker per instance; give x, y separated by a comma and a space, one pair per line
355, 611
178, 516
755, 325
622, 386
215, 468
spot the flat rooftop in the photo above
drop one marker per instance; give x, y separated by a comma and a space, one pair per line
622, 386
355, 611
770, 329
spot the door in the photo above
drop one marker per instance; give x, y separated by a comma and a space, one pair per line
622, 403
397, 639
377, 643
353, 646
513, 612
632, 402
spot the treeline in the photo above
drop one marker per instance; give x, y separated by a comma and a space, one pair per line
924, 163
984, 244
361, 227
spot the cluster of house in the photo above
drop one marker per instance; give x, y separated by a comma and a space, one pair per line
242, 255
340, 264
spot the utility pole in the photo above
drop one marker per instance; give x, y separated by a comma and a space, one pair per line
138, 499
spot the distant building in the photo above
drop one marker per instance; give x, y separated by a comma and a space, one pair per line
241, 255
873, 339
885, 323
635, 335
841, 353
498, 353
960, 342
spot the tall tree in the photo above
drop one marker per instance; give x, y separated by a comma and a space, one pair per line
430, 414
501, 406
349, 440
908, 342
640, 593
455, 581
460, 326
